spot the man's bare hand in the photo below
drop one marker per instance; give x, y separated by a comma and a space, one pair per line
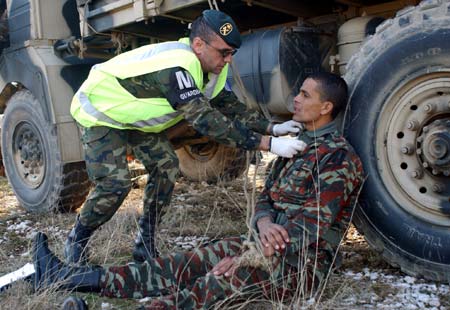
272, 235
226, 266
268, 251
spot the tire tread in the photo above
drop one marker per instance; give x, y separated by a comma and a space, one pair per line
428, 16
69, 181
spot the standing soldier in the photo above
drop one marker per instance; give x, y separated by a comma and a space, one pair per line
133, 98
300, 218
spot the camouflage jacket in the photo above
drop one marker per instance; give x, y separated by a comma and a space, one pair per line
313, 194
224, 118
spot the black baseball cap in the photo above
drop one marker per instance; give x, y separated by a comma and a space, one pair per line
224, 26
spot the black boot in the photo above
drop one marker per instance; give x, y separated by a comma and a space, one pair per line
75, 250
144, 245
50, 271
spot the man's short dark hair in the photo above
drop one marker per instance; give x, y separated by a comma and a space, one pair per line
333, 88
200, 28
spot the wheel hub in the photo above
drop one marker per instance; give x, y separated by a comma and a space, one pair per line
28, 155
435, 148
415, 161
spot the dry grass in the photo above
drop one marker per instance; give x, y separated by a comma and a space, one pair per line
197, 209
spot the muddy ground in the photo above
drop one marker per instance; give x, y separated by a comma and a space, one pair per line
201, 212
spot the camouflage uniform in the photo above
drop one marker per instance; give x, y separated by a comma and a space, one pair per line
312, 195
223, 118
184, 281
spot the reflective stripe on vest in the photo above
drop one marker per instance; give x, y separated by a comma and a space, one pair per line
102, 117
129, 64
102, 101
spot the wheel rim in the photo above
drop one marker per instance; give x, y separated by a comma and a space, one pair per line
28, 154
414, 161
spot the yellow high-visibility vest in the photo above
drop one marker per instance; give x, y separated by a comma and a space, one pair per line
102, 101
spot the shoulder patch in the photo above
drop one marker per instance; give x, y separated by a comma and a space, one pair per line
182, 88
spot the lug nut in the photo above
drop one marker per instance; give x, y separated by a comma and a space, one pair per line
425, 164
425, 129
417, 174
434, 171
408, 149
419, 139
437, 188
429, 108
412, 125
419, 151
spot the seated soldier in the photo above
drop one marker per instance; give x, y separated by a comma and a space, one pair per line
300, 218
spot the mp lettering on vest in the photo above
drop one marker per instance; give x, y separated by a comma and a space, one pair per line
184, 80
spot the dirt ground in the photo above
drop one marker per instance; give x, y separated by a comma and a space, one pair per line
200, 212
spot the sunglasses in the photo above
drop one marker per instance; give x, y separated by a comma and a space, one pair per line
224, 52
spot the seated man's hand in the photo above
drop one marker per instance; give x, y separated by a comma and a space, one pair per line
272, 235
226, 266
268, 251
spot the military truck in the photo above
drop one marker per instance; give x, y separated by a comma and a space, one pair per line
395, 56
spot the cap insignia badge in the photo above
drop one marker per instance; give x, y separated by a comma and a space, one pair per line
226, 29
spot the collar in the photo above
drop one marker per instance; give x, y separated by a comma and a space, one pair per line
185, 41
309, 136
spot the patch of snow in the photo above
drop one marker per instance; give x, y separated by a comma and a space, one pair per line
188, 242
19, 228
409, 279
31, 235
185, 206
408, 292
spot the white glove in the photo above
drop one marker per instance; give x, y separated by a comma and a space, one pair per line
286, 147
286, 127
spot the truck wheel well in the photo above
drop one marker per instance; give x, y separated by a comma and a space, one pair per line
8, 91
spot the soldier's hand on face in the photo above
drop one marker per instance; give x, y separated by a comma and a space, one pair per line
226, 266
286, 147
286, 127
272, 235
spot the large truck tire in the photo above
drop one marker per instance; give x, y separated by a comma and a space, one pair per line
399, 123
32, 159
211, 162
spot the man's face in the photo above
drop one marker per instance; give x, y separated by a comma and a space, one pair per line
213, 54
308, 107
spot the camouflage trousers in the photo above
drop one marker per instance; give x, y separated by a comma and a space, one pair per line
106, 163
181, 280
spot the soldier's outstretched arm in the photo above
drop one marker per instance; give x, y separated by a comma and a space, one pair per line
230, 106
185, 97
